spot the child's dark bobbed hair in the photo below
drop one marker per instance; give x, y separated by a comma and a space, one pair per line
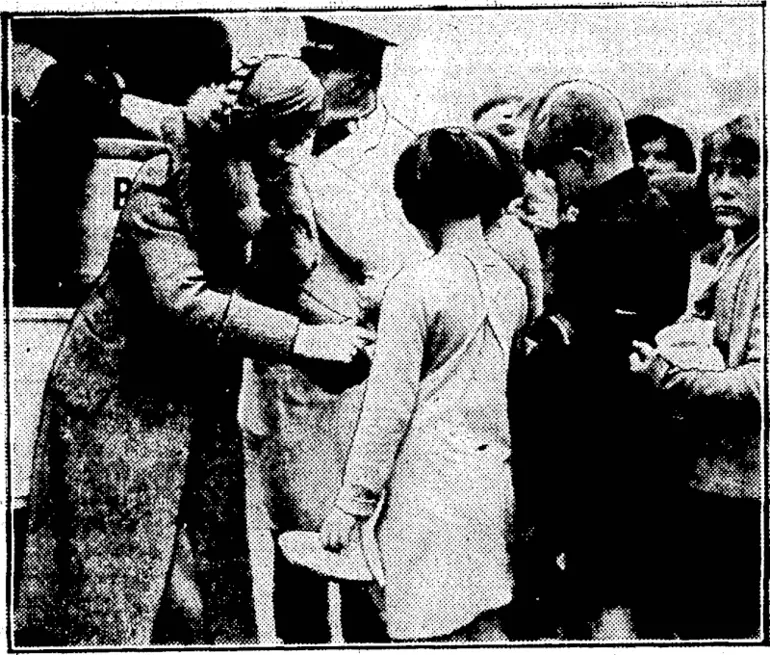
449, 173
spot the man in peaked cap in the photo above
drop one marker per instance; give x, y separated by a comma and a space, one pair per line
349, 62
358, 143
365, 240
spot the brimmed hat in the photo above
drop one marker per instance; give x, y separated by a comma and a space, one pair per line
274, 86
304, 549
345, 41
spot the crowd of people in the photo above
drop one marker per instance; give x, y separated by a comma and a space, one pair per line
511, 370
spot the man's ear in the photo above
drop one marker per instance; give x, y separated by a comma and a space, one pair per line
585, 158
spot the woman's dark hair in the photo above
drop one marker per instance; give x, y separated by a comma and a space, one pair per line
449, 173
645, 128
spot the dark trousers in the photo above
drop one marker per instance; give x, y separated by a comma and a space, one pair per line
302, 608
713, 572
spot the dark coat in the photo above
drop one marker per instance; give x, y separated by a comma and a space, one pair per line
621, 273
139, 433
589, 461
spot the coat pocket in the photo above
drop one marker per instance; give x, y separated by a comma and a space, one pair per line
85, 368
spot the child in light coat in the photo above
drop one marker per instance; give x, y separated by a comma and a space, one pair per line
433, 441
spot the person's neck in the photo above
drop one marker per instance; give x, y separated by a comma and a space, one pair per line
462, 234
743, 234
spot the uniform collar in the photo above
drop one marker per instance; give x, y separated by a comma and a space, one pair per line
366, 134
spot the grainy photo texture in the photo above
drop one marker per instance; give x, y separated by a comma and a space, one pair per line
354, 326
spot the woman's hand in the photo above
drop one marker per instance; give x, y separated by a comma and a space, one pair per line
337, 529
648, 361
207, 106
332, 341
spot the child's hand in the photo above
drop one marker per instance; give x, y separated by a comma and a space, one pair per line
649, 362
338, 529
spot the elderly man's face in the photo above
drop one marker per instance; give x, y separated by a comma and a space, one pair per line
347, 95
735, 192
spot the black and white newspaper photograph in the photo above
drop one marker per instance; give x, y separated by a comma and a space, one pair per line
347, 325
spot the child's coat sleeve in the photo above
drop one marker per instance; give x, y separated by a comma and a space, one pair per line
391, 396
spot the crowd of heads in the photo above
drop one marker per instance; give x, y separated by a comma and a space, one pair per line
576, 133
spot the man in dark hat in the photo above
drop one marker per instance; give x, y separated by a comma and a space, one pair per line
358, 143
349, 63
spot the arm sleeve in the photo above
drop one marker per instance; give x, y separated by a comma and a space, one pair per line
171, 271
146, 115
391, 396
741, 382
288, 239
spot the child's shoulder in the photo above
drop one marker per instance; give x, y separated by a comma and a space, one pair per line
437, 270
431, 281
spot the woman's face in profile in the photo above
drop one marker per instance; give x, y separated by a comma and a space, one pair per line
273, 145
291, 142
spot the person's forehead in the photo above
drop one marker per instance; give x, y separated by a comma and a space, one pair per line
730, 161
659, 144
741, 169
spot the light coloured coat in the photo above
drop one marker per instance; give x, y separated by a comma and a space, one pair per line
433, 440
726, 405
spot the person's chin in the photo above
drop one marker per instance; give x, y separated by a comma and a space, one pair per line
730, 220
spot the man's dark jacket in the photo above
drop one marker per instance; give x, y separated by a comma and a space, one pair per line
590, 436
